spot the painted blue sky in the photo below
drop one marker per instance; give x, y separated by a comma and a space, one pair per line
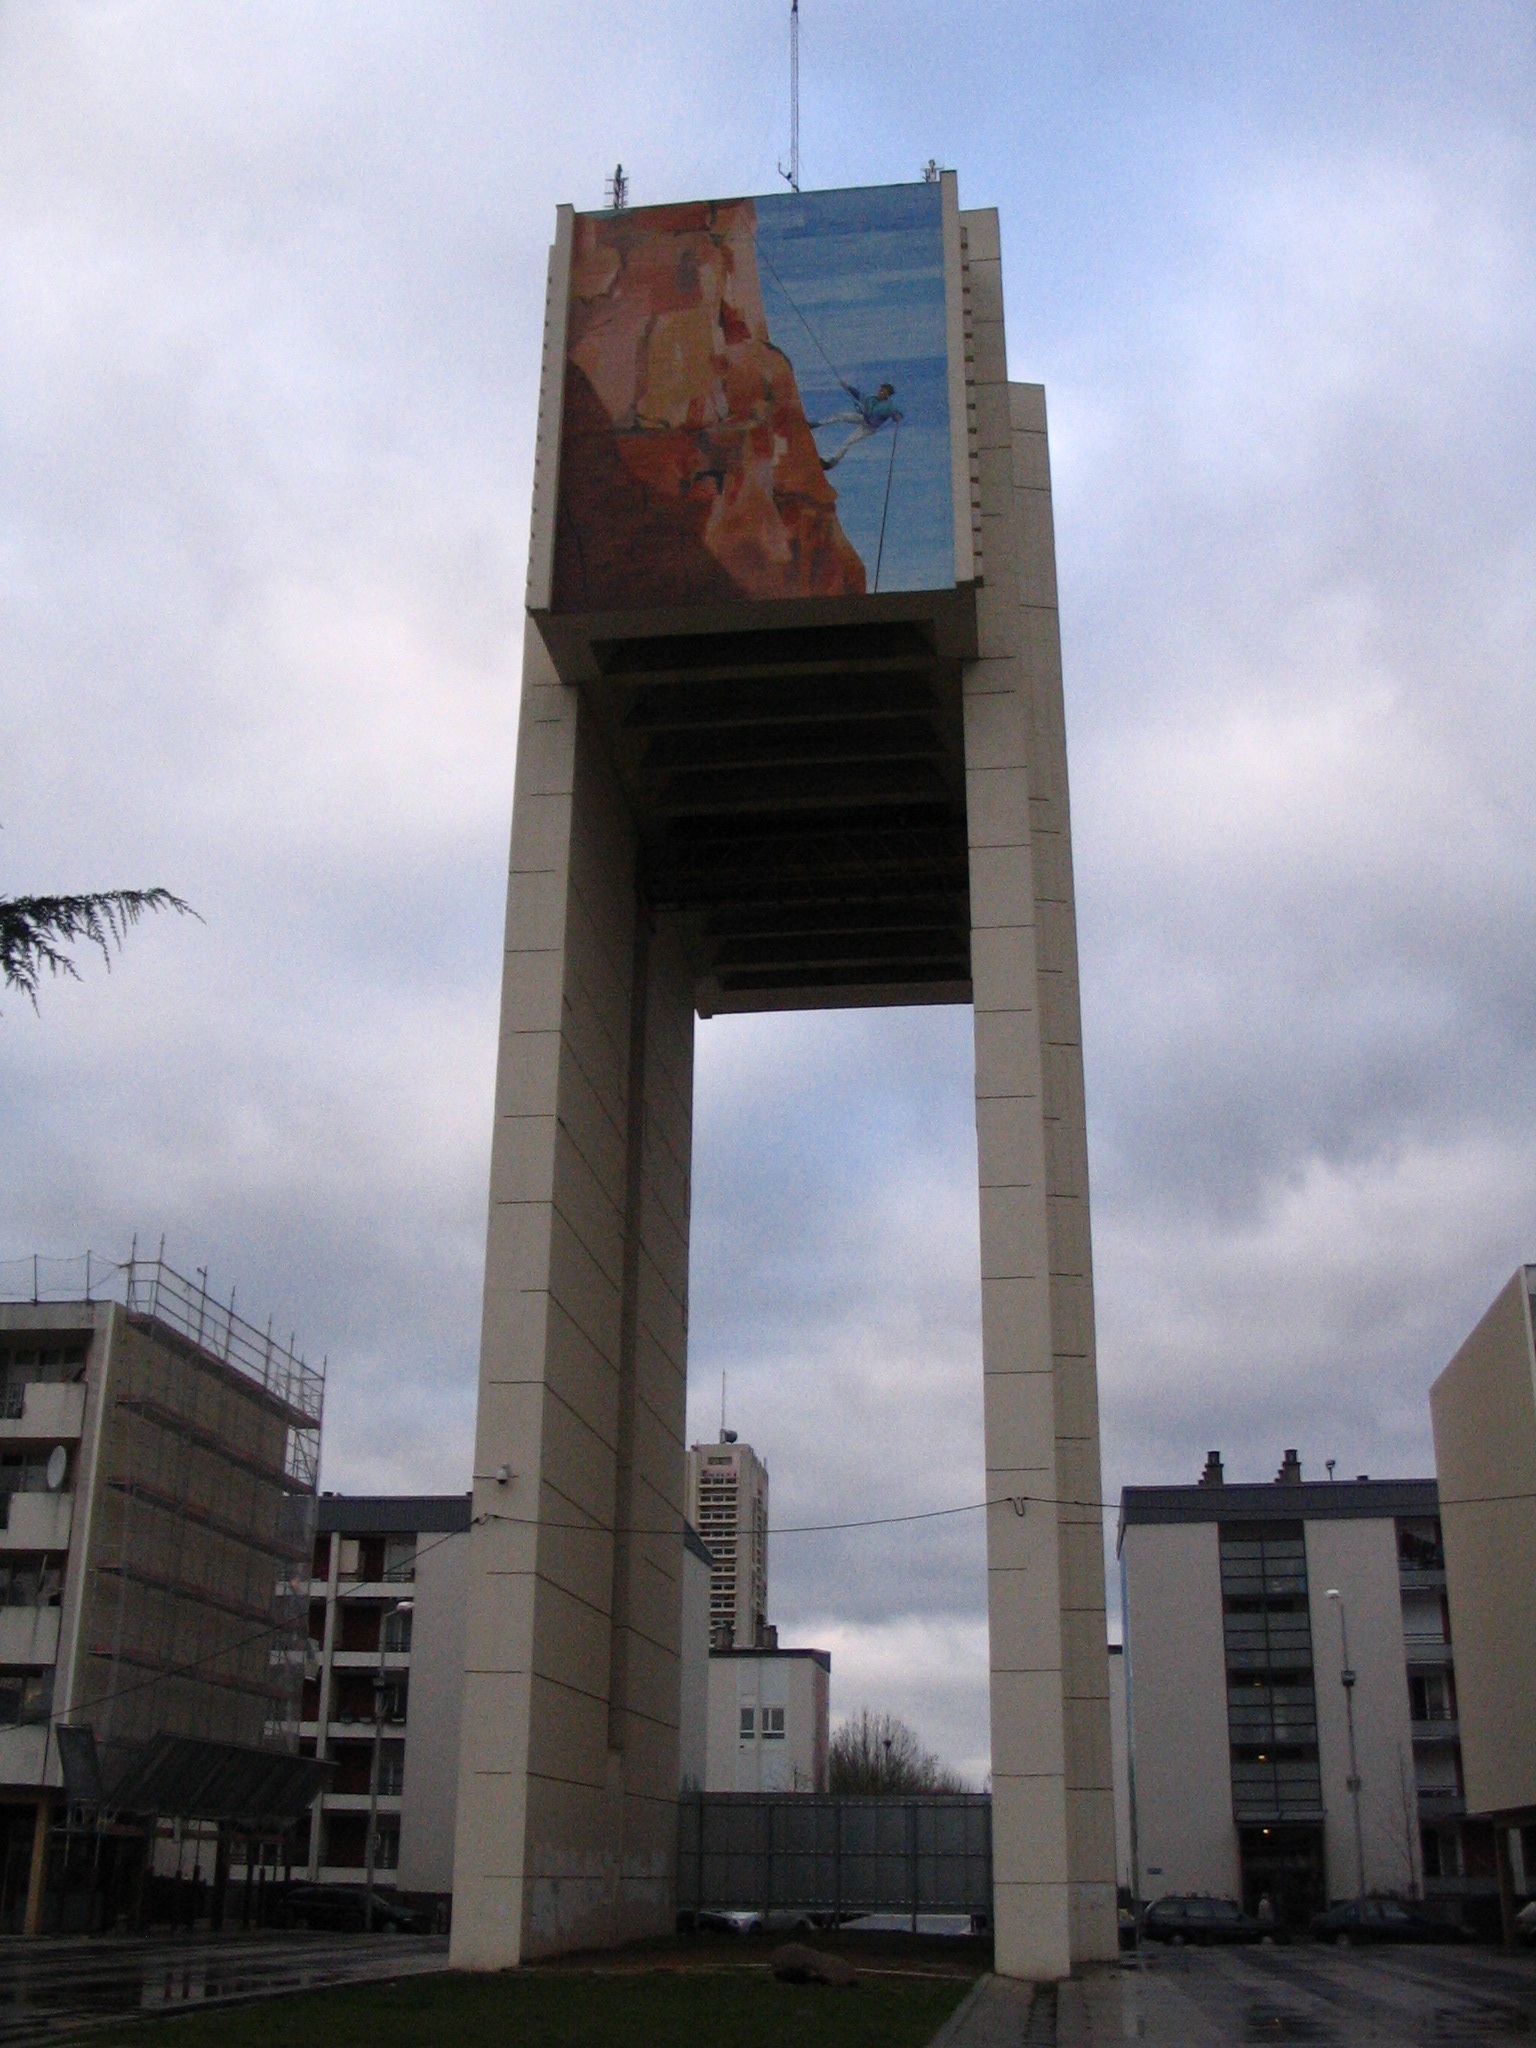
273, 286
853, 286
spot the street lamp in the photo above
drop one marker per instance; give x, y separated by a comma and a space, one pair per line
1347, 1680
400, 1607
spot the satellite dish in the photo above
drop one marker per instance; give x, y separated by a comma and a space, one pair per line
58, 1465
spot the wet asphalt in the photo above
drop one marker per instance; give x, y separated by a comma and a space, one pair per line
1232, 1998
57, 1990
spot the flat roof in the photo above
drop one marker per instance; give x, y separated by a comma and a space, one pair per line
821, 1657
392, 1514
1307, 1500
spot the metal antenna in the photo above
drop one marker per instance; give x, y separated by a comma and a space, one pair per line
931, 171
616, 190
793, 173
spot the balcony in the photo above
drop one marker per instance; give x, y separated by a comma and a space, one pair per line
21, 1756
1437, 1802
38, 1521
1425, 1649
52, 1411
1421, 1578
357, 1802
29, 1635
1443, 1729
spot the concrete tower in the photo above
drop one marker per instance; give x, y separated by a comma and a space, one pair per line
791, 736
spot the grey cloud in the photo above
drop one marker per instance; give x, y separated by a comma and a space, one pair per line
273, 285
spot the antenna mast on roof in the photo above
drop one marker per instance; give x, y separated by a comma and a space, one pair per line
616, 190
793, 173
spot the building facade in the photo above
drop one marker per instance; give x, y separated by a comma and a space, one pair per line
693, 1659
389, 1576
1237, 1600
725, 1497
768, 1716
1483, 1407
158, 1458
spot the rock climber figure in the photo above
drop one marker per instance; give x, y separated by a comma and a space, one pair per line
872, 414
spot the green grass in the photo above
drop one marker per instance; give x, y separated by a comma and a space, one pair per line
566, 2008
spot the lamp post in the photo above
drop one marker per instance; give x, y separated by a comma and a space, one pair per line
400, 1607
1347, 1680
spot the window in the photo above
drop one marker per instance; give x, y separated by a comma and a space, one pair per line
397, 1631
391, 1768
1271, 1706
25, 1697
399, 1557
773, 1724
748, 1723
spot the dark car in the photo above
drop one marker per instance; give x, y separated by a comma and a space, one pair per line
1184, 1919
343, 1908
1363, 1920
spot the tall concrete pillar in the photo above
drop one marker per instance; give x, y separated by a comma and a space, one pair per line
567, 1819
1053, 1808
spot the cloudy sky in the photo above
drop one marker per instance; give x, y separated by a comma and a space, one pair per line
270, 305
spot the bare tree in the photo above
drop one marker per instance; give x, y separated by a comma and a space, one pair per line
880, 1753
35, 929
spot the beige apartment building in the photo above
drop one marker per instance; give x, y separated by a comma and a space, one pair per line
725, 1497
1237, 1602
1483, 1407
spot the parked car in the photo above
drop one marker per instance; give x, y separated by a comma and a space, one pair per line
1180, 1919
1357, 1921
343, 1908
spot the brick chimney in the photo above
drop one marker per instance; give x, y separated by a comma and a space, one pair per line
1290, 1470
1213, 1474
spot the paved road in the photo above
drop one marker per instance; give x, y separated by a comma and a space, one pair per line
54, 1990
1309, 1997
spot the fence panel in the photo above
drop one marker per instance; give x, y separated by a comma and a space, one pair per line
802, 1852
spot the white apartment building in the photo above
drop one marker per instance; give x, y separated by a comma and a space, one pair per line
1236, 1603
768, 1711
726, 1500
373, 1555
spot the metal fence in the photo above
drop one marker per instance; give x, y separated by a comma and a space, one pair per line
802, 1852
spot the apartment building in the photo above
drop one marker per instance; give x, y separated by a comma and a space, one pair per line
1239, 1601
1483, 1407
387, 1600
726, 1500
768, 1713
158, 1458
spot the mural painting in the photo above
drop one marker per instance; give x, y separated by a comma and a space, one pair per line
756, 402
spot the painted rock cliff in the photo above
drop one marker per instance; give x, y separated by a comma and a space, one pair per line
688, 474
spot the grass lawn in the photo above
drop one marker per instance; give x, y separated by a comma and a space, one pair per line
570, 2008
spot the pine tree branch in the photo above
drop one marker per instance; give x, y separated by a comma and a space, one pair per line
35, 929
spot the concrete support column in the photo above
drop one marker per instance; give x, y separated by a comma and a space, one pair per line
1053, 1823
567, 1811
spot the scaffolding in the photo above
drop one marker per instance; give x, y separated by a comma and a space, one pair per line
197, 1548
